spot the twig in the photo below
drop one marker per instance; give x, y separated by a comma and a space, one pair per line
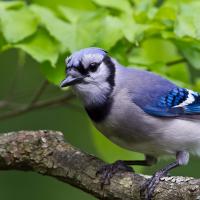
37, 105
170, 63
18, 69
39, 92
3, 104
175, 62
47, 153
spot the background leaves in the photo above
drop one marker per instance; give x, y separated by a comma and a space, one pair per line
107, 24
17, 24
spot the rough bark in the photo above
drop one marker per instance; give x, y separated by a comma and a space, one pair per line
47, 153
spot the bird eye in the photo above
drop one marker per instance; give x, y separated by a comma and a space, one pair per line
93, 67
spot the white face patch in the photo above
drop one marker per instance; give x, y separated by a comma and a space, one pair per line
190, 99
96, 87
97, 78
101, 74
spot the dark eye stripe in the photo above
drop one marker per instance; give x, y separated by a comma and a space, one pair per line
81, 69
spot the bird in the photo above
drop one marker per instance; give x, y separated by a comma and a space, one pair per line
137, 110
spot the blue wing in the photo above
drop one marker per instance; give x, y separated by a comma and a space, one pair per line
177, 102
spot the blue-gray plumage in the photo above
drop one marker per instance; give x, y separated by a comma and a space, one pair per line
136, 109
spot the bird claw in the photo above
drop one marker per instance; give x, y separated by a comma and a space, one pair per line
149, 186
106, 172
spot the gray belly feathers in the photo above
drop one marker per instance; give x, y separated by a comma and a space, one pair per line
130, 127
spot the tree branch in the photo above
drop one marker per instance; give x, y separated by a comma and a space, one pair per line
47, 153
37, 105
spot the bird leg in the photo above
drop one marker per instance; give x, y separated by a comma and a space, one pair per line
106, 172
182, 158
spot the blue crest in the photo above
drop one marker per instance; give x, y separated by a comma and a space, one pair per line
76, 57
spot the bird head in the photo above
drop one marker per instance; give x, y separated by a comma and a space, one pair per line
90, 72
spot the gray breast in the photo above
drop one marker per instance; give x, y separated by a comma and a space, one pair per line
127, 124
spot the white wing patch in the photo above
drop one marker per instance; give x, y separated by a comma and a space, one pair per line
190, 99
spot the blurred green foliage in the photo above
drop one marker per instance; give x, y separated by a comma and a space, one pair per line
132, 31
36, 36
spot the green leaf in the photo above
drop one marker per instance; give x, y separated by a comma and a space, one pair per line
147, 53
81, 36
57, 28
41, 46
122, 5
166, 12
72, 14
17, 24
174, 72
11, 5
111, 32
83, 29
54, 75
188, 23
144, 11
191, 51
133, 31
79, 4
121, 54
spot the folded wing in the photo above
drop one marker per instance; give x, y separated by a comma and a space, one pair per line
177, 102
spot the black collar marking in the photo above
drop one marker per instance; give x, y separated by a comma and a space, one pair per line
99, 112
111, 78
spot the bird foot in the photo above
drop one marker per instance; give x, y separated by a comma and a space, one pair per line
149, 186
106, 172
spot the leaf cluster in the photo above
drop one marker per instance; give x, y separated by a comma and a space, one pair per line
149, 34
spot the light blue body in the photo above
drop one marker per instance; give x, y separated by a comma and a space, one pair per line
148, 113
129, 126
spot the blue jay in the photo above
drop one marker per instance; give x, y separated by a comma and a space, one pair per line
136, 109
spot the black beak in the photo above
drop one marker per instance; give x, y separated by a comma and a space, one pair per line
70, 81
